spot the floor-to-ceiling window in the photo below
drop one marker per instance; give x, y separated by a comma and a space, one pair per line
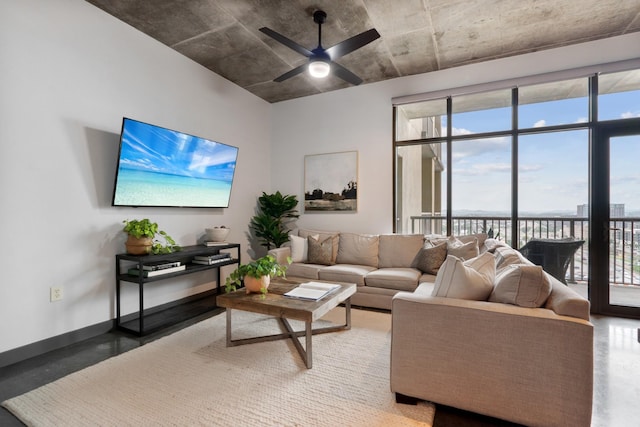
518, 162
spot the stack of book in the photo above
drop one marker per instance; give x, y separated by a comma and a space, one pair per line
312, 290
211, 259
157, 268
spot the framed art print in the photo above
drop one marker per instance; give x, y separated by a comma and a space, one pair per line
331, 182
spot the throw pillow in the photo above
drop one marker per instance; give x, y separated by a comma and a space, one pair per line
491, 245
471, 280
523, 285
299, 248
480, 237
463, 250
428, 260
320, 252
323, 235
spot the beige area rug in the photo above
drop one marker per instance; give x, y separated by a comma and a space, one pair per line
191, 378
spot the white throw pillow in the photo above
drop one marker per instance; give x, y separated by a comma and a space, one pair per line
523, 285
464, 251
471, 280
299, 248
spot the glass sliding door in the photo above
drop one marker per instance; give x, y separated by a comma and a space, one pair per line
616, 220
624, 220
615, 194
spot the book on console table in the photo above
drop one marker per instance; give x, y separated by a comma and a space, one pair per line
145, 273
312, 290
220, 256
211, 243
210, 261
160, 265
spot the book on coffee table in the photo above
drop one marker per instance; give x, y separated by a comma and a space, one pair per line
312, 290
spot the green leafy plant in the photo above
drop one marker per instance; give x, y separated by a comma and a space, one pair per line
139, 228
272, 222
265, 266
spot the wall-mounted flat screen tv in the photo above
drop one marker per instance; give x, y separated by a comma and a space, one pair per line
166, 168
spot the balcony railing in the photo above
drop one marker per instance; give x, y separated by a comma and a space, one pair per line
624, 245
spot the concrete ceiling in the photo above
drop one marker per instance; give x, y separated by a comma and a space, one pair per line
417, 36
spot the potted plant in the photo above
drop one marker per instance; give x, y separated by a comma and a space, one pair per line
142, 233
256, 275
271, 224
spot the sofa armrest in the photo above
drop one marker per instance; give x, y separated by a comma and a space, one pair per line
472, 354
281, 254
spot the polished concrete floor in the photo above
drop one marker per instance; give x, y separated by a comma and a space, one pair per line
616, 378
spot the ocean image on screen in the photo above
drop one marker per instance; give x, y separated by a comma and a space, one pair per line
162, 167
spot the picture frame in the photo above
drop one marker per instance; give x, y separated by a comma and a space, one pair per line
331, 182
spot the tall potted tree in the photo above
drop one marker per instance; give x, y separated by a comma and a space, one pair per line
272, 222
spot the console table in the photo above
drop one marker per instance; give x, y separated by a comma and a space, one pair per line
185, 256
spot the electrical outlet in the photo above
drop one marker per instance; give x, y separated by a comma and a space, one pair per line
56, 293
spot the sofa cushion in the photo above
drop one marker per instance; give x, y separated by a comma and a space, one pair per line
462, 250
523, 285
321, 251
429, 260
305, 270
427, 278
425, 289
398, 250
322, 236
400, 278
472, 279
345, 273
358, 249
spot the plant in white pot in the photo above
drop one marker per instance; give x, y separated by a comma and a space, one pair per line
256, 275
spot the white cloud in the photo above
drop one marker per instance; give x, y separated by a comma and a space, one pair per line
629, 115
529, 168
477, 147
483, 169
540, 123
582, 120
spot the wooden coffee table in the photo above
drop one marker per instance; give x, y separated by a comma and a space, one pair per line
283, 308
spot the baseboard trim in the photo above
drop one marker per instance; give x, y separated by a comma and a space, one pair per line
38, 348
54, 343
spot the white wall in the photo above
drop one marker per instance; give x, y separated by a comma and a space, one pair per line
360, 118
69, 72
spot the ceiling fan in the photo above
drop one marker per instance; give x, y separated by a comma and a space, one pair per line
320, 59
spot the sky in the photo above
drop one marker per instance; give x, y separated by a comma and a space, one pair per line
553, 167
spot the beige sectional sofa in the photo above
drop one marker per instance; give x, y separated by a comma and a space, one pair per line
380, 265
500, 337
529, 365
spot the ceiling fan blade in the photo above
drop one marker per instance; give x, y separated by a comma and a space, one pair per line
291, 73
351, 44
346, 75
287, 42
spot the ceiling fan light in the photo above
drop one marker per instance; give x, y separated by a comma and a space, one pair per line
319, 69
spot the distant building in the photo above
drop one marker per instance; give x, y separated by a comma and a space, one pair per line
616, 210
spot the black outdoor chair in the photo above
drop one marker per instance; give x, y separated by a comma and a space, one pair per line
554, 255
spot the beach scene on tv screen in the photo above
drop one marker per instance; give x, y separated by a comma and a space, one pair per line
162, 167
